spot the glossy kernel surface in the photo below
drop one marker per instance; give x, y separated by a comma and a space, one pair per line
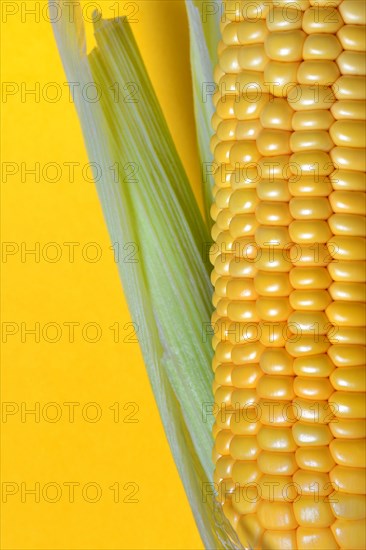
290, 272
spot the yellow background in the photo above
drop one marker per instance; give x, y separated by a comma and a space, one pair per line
106, 372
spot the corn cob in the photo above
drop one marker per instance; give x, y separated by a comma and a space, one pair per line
289, 273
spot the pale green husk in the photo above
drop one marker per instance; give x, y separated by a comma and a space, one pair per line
202, 69
210, 12
204, 30
168, 289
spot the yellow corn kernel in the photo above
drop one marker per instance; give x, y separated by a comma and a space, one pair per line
290, 272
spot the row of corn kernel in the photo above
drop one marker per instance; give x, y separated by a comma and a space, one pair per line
242, 315
310, 208
277, 459
347, 312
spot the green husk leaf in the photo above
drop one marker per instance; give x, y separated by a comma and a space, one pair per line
168, 228
168, 289
202, 68
210, 12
